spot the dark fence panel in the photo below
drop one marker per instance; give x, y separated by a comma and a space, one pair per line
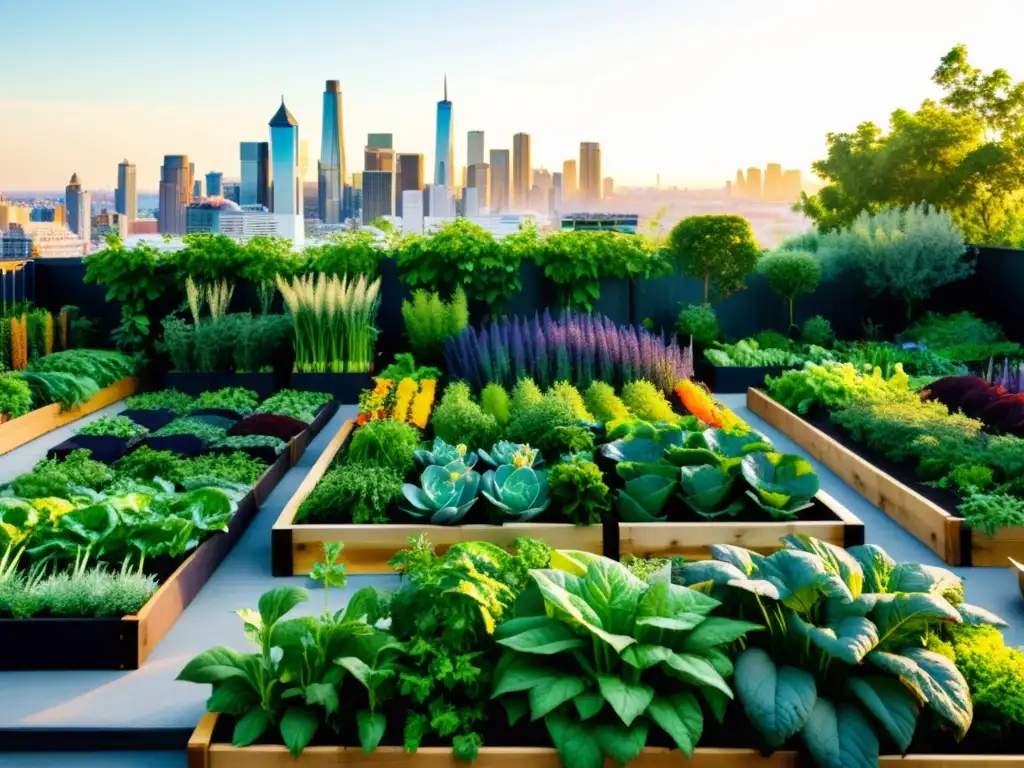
61, 281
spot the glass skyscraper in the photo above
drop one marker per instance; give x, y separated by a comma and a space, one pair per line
331, 174
284, 150
214, 184
444, 155
126, 199
254, 188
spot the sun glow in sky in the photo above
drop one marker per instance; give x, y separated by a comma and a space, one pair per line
689, 89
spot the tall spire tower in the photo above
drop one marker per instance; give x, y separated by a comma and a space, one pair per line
444, 154
331, 168
284, 154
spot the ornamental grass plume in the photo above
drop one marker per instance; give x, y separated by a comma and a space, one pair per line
62, 319
48, 335
19, 343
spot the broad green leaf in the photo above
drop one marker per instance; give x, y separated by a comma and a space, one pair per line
915, 577
572, 561
712, 572
778, 701
613, 593
630, 510
840, 738
214, 665
672, 600
718, 659
935, 681
546, 639
520, 624
801, 579
278, 601
683, 622
323, 694
849, 641
875, 565
365, 602
975, 614
516, 708
745, 560
621, 743
717, 702
899, 615
680, 717
555, 692
575, 745
892, 705
521, 674
645, 655
359, 669
298, 727
629, 701
696, 670
835, 559
717, 630
233, 696
553, 586
649, 492
250, 727
588, 704
371, 729
780, 481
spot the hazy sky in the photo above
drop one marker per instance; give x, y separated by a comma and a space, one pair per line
690, 89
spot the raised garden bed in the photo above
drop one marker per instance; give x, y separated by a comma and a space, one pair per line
125, 643
734, 380
828, 521
295, 546
24, 429
344, 386
207, 749
195, 383
932, 523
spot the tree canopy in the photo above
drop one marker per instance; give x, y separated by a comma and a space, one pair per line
721, 250
963, 154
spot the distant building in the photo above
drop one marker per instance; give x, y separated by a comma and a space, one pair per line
13, 214
792, 186
479, 177
590, 170
231, 190
51, 240
203, 216
144, 227
499, 225
570, 187
331, 169
608, 187
408, 177
773, 182
108, 223
303, 160
615, 222
470, 202
378, 159
126, 198
440, 202
753, 186
378, 195
380, 140
521, 171
244, 225
214, 184
287, 199
474, 148
15, 244
412, 211
557, 191
256, 173
500, 180
197, 189
444, 147
740, 187
79, 206
175, 194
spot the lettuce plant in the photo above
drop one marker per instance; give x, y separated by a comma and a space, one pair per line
602, 657
519, 493
444, 495
644, 498
518, 454
844, 662
442, 454
718, 447
783, 484
706, 489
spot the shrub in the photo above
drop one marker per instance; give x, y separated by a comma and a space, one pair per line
495, 401
790, 274
430, 321
567, 393
354, 493
937, 331
384, 443
52, 478
144, 464
720, 250
237, 399
537, 424
699, 322
97, 592
524, 394
457, 419
579, 490
113, 426
645, 401
606, 406
772, 340
180, 343
817, 331
15, 395
171, 399
261, 341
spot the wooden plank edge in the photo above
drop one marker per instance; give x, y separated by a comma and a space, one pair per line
791, 424
199, 742
317, 471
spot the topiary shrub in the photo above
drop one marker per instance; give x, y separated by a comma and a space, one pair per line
699, 322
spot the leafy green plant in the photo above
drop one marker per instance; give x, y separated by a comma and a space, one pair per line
699, 322
536, 424
260, 341
236, 467
145, 464
405, 367
494, 401
443, 454
64, 388
384, 443
843, 663
747, 353
520, 494
295, 403
790, 274
579, 490
458, 419
783, 483
237, 399
524, 394
431, 321
113, 426
102, 366
602, 657
817, 331
643, 498
360, 494
50, 478
567, 393
180, 343
835, 386
706, 489
444, 495
15, 395
188, 425
772, 340
241, 442
81, 593
601, 400
517, 454
170, 399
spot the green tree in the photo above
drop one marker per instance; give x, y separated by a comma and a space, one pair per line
265, 259
718, 249
790, 274
964, 154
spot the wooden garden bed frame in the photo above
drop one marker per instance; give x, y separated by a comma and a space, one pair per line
203, 752
940, 530
24, 429
295, 546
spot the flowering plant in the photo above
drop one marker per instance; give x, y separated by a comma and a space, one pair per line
408, 402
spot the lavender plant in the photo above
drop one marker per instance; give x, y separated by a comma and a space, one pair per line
578, 348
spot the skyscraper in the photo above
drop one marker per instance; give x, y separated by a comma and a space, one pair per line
254, 188
284, 151
739, 189
408, 177
303, 160
479, 179
499, 180
475, 149
79, 205
792, 186
331, 168
215, 184
380, 140
570, 186
590, 170
521, 171
608, 187
378, 195
126, 199
174, 194
557, 190
444, 150
773, 182
197, 189
753, 186
378, 159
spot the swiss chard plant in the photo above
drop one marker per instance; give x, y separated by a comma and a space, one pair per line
603, 657
444, 495
844, 663
518, 493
